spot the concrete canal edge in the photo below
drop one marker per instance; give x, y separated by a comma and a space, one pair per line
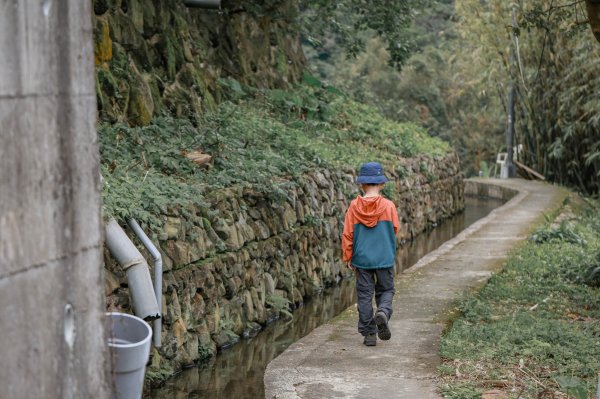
332, 362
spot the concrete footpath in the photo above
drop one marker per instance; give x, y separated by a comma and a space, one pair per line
332, 362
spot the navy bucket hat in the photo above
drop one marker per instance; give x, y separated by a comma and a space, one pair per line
371, 173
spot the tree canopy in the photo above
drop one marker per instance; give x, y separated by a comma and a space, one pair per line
390, 20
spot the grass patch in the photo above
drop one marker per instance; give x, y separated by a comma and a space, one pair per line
534, 329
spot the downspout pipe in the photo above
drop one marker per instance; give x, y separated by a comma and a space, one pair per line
133, 263
157, 324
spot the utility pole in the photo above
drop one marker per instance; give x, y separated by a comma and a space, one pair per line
508, 169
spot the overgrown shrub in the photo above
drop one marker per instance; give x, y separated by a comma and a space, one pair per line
536, 324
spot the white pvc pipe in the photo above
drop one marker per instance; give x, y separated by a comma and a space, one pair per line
131, 260
157, 324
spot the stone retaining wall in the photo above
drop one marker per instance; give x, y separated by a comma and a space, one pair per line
159, 56
250, 258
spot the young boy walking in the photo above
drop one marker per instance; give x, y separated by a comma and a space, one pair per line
369, 248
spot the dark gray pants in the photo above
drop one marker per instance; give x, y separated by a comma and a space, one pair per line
368, 282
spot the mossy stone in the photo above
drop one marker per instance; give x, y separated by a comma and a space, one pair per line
149, 15
100, 7
120, 60
167, 51
136, 14
162, 16
99, 96
155, 92
124, 31
103, 50
143, 55
114, 94
182, 102
281, 62
141, 104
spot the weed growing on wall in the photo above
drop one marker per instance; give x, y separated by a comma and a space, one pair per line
533, 330
260, 139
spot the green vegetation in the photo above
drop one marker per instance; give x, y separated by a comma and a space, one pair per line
534, 328
158, 371
283, 305
437, 88
555, 74
260, 139
456, 83
349, 19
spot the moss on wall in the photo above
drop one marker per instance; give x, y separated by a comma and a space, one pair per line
182, 53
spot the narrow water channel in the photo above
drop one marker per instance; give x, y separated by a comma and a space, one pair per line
238, 372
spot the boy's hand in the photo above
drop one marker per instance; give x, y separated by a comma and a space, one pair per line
349, 264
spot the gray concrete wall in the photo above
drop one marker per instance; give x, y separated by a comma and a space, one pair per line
50, 227
485, 188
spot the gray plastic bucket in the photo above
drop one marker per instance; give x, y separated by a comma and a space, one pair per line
129, 339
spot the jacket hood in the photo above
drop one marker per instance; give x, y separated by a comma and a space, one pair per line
369, 209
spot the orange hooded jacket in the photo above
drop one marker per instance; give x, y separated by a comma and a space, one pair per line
369, 237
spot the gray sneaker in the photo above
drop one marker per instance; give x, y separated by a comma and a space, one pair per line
383, 331
370, 340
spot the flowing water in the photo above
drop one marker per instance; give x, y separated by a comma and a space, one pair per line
238, 372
